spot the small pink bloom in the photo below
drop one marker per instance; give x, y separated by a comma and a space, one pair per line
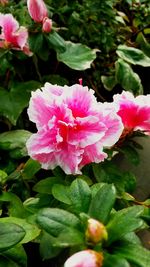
37, 10
47, 25
134, 111
12, 36
96, 231
73, 128
3, 2
85, 258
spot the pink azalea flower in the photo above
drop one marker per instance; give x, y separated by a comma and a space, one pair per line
73, 128
37, 10
13, 36
85, 258
134, 111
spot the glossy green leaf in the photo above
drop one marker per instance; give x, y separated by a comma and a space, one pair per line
127, 78
30, 168
32, 231
34, 204
36, 42
123, 222
77, 56
15, 205
102, 203
145, 46
10, 235
14, 257
56, 42
134, 253
109, 82
62, 193
133, 55
14, 139
114, 261
80, 195
45, 186
13, 102
54, 220
48, 247
131, 154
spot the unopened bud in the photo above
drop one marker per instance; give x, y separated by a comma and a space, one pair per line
96, 231
47, 25
37, 10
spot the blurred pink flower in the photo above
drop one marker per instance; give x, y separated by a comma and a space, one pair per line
37, 10
134, 111
12, 36
3, 2
47, 25
73, 128
85, 258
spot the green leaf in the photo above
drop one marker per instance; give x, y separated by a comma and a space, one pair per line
14, 139
45, 186
32, 231
114, 261
13, 102
70, 237
54, 220
131, 154
127, 78
34, 204
62, 193
14, 257
80, 195
77, 56
36, 42
102, 203
145, 46
48, 248
10, 235
133, 55
134, 253
31, 167
123, 222
56, 42
109, 82
15, 206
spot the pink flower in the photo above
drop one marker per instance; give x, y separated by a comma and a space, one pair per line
47, 25
3, 2
13, 36
134, 111
37, 10
85, 258
73, 128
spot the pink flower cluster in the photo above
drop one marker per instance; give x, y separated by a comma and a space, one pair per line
38, 12
12, 36
73, 128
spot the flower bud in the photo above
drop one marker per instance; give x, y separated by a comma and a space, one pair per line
47, 25
37, 10
96, 231
85, 258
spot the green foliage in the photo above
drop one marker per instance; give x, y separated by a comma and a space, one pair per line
10, 235
107, 44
